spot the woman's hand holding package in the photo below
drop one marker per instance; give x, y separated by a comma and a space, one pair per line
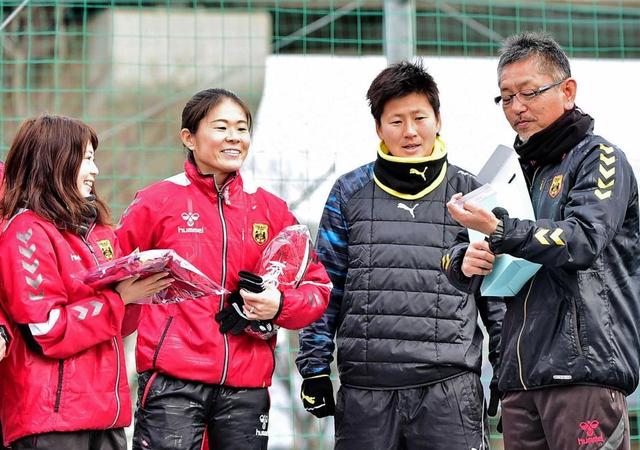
133, 289
261, 305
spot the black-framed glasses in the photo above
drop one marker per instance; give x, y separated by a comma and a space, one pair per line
525, 95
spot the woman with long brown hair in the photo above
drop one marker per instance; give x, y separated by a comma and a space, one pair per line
64, 382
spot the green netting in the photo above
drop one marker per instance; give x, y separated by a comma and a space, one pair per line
127, 67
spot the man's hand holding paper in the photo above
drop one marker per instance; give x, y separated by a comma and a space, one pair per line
472, 216
505, 188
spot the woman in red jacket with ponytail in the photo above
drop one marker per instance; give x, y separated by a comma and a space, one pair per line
201, 373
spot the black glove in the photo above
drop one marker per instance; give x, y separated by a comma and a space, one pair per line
494, 400
253, 283
317, 396
262, 326
231, 318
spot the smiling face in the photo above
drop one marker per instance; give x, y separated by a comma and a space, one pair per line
221, 143
88, 172
408, 126
536, 114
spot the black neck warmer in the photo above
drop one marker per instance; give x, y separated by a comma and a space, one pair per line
408, 177
549, 146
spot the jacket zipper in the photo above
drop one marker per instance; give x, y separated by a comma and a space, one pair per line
114, 339
220, 195
162, 336
117, 390
273, 357
576, 329
530, 181
56, 407
524, 321
526, 299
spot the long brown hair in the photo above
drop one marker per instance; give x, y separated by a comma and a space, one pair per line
41, 172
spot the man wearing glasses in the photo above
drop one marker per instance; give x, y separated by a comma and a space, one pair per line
570, 337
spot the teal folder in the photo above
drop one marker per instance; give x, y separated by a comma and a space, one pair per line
505, 186
508, 276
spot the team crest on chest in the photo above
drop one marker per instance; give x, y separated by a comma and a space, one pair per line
260, 233
106, 249
556, 186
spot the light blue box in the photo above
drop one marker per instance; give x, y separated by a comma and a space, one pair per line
508, 276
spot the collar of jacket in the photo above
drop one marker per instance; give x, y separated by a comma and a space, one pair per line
89, 216
206, 183
410, 178
550, 145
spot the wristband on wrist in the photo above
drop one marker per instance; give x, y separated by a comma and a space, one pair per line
279, 307
496, 237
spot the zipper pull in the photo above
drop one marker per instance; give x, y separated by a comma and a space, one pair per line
225, 195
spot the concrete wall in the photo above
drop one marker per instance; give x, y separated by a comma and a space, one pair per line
183, 49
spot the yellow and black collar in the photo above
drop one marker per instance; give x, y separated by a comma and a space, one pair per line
410, 178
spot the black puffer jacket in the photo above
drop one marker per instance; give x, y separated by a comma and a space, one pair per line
398, 322
576, 321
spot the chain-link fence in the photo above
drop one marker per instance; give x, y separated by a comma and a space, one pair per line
127, 67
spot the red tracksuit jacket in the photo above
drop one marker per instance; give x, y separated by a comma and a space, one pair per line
221, 234
4, 320
66, 370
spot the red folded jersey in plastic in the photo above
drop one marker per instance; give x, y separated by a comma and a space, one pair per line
286, 258
189, 281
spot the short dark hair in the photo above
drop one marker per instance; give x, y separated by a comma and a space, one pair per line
204, 101
41, 171
399, 80
552, 59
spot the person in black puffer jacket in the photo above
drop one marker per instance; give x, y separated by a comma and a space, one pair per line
570, 337
409, 343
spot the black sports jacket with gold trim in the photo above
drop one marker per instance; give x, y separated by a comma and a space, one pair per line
576, 320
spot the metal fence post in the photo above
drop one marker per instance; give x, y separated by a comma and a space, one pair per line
399, 30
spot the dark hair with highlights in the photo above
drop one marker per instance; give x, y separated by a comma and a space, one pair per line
41, 172
552, 60
400, 80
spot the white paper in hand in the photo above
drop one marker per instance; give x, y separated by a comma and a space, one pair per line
485, 197
502, 170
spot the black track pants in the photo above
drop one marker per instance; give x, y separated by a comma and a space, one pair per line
174, 414
113, 439
448, 415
